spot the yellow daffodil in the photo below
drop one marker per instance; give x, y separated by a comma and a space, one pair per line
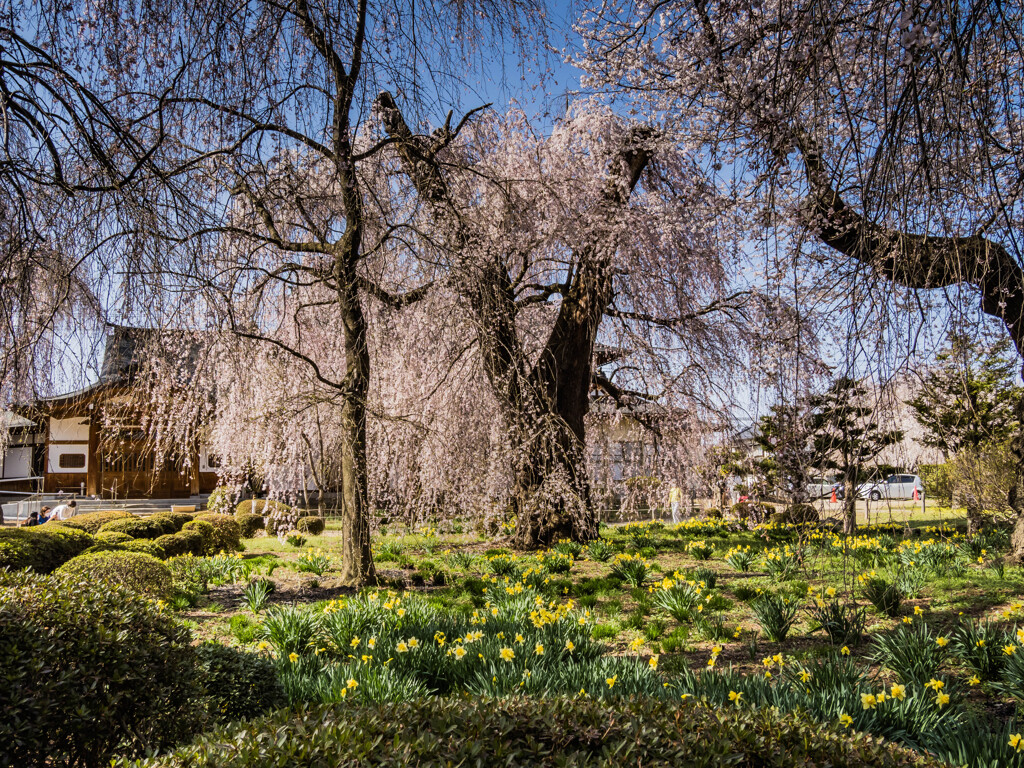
1009, 650
1017, 742
845, 720
868, 701
973, 680
735, 696
942, 642
569, 645
612, 680
538, 649
293, 657
845, 651
507, 654
401, 648
414, 642
352, 683
653, 662
898, 692
942, 699
460, 652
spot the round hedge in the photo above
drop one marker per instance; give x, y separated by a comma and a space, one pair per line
312, 525
43, 548
172, 521
797, 513
90, 670
112, 537
185, 542
249, 524
91, 522
227, 534
146, 546
535, 732
206, 531
137, 571
239, 685
136, 527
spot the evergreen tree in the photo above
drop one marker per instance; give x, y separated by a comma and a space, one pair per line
968, 398
845, 438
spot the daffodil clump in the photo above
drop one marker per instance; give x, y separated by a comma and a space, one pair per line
632, 569
782, 563
642, 534
314, 561
700, 549
741, 558
517, 641
504, 565
704, 528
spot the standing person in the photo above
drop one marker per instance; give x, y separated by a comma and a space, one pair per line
65, 511
675, 497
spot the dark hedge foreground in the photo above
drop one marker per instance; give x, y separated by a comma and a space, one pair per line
532, 732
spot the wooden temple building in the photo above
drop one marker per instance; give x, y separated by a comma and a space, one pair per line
88, 442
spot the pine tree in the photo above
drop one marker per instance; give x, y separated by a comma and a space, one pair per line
845, 438
968, 398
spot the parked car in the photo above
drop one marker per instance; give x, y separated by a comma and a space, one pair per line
817, 487
893, 487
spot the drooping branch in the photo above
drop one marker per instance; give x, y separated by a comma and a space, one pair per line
911, 260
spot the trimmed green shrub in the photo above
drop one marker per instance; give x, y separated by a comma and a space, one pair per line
249, 524
136, 527
279, 517
208, 533
137, 571
797, 513
227, 533
90, 670
238, 685
311, 524
537, 732
146, 546
91, 522
42, 548
178, 518
186, 542
112, 537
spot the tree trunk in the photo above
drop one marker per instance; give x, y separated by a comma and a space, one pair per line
849, 506
1016, 495
551, 492
357, 567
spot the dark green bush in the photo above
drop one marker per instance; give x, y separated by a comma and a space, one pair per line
175, 519
207, 532
238, 685
249, 524
797, 513
277, 515
227, 534
112, 537
534, 732
136, 527
91, 522
137, 571
145, 546
89, 670
43, 548
185, 542
311, 524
